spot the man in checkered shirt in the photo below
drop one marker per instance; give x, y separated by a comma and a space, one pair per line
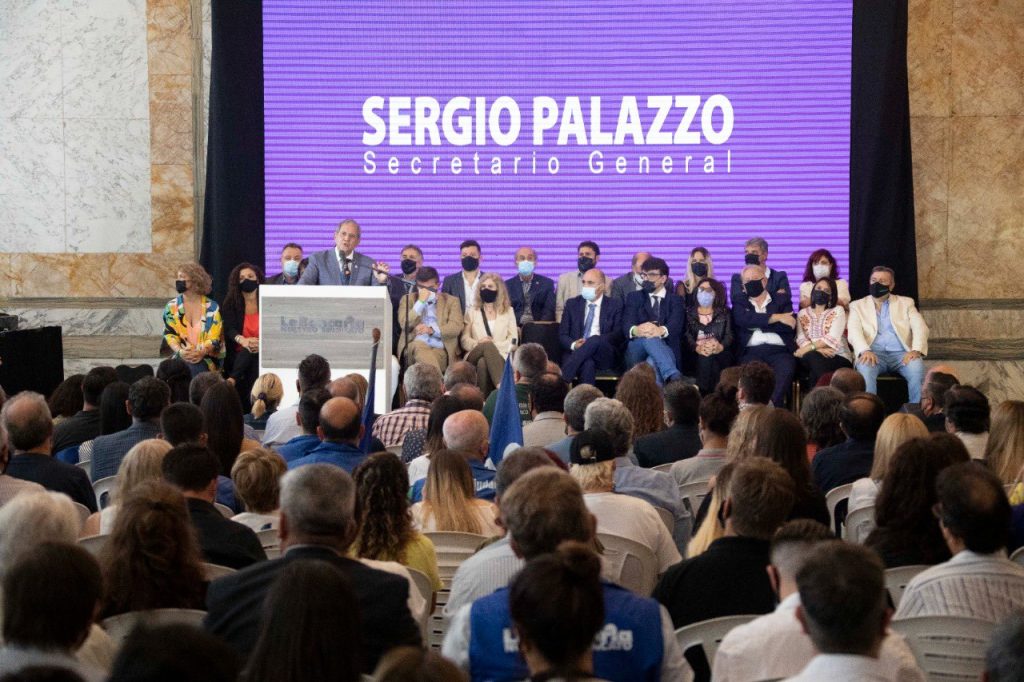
423, 384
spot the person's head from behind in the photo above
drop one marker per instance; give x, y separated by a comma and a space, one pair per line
460, 372
50, 597
592, 461
175, 373
171, 653
440, 410
223, 423
861, 416
682, 404
966, 409
193, 469
182, 423
308, 602
114, 415
310, 404
760, 497
32, 518
201, 383
934, 390
973, 509
266, 394
147, 398
639, 393
843, 599
556, 603
515, 464
1004, 661
423, 382
574, 408
469, 395
530, 362
413, 664
382, 506
97, 379
317, 507
819, 413
340, 422
1004, 451
548, 394
257, 477
756, 383
143, 462
468, 432
790, 546
26, 419
780, 438
615, 420
896, 430
542, 509
362, 388
742, 441
314, 372
717, 415
66, 400
848, 381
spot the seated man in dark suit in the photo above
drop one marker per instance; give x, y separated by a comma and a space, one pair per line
590, 331
147, 398
317, 522
860, 418
340, 430
756, 253
681, 440
532, 296
652, 321
342, 265
193, 469
464, 284
26, 420
765, 329
85, 425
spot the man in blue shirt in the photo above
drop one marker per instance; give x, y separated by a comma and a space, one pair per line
467, 432
308, 417
340, 431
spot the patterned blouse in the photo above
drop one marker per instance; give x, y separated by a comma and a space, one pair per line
211, 331
828, 327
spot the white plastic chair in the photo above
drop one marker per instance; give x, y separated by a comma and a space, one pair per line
120, 626
897, 579
667, 519
83, 513
693, 493
858, 524
212, 571
451, 550
94, 544
86, 466
708, 634
422, 583
226, 511
947, 647
102, 488
663, 467
639, 565
268, 538
1018, 556
395, 450
833, 498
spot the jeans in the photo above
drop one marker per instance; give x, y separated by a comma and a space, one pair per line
892, 361
657, 354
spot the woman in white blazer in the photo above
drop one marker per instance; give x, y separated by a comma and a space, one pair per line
490, 331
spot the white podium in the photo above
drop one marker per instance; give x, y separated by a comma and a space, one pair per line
333, 321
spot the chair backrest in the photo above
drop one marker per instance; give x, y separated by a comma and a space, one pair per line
663, 467
947, 647
451, 549
832, 499
68, 454
212, 571
119, 627
226, 511
86, 466
693, 493
858, 524
1018, 556
268, 538
94, 544
102, 489
896, 580
708, 634
83, 512
667, 519
395, 450
272, 552
422, 583
639, 566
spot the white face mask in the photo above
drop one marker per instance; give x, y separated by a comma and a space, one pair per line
821, 271
638, 278
589, 293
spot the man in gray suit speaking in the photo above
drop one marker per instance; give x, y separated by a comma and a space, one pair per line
342, 265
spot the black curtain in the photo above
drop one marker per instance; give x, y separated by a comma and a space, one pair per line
233, 222
881, 177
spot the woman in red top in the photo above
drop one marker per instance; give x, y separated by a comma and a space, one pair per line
241, 314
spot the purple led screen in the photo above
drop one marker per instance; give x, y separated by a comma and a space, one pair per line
364, 119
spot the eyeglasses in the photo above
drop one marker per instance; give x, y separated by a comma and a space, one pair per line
650, 275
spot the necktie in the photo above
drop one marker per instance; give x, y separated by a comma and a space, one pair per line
346, 272
589, 322
656, 307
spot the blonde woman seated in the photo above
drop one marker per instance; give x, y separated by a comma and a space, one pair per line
140, 464
1004, 451
490, 328
896, 430
448, 499
266, 396
257, 475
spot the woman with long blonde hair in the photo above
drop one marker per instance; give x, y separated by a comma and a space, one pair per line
698, 267
896, 430
266, 395
142, 463
489, 330
1004, 451
712, 529
449, 502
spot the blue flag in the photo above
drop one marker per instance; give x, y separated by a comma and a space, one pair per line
505, 426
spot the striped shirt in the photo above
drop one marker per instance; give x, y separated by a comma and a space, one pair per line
984, 586
391, 428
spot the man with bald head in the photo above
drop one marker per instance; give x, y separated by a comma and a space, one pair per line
590, 331
632, 281
467, 432
532, 295
343, 387
765, 327
340, 431
847, 380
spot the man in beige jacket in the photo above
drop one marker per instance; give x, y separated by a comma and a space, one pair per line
888, 334
430, 322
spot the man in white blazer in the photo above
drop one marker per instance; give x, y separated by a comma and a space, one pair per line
342, 265
888, 334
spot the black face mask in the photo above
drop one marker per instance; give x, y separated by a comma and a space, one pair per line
584, 263
180, 285
648, 287
249, 285
752, 259
408, 266
878, 290
819, 297
700, 269
754, 288
488, 295
469, 263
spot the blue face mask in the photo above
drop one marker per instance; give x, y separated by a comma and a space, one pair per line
705, 298
525, 267
588, 293
291, 268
